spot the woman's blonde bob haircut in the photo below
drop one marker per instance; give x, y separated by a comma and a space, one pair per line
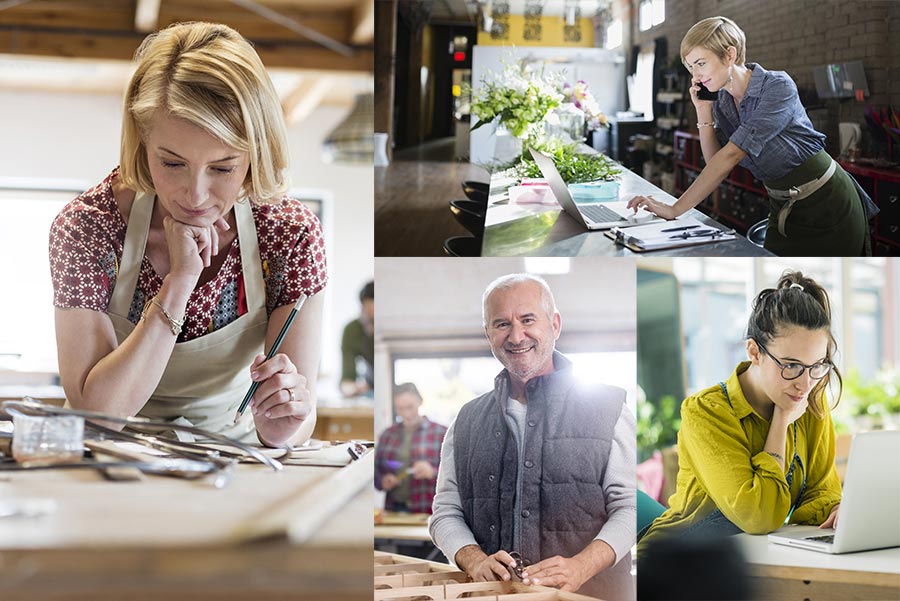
209, 75
715, 34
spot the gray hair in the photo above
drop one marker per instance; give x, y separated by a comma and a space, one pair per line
516, 279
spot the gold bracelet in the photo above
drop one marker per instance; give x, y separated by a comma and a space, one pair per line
710, 124
175, 324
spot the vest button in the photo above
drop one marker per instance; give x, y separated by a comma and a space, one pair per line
493, 527
529, 463
491, 477
497, 433
525, 513
532, 423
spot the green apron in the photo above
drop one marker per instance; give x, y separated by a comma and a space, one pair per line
831, 222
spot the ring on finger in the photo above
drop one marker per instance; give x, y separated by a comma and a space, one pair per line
291, 392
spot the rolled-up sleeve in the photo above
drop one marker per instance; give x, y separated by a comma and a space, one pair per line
771, 116
823, 487
619, 488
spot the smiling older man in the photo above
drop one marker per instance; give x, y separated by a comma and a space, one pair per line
542, 466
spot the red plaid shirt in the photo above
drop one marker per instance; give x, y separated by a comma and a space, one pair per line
425, 445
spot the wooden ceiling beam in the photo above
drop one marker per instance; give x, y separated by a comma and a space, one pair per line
363, 22
122, 45
305, 97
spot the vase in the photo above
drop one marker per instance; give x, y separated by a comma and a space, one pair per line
507, 147
567, 123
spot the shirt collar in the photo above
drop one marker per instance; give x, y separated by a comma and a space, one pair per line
757, 76
739, 402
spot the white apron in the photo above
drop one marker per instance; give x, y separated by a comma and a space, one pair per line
207, 377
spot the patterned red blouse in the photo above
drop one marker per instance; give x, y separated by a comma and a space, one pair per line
88, 235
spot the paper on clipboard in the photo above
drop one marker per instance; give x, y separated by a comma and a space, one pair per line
687, 231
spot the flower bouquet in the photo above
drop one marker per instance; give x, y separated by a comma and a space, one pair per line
582, 98
519, 99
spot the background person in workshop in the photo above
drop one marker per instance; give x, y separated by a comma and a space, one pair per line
757, 121
174, 273
542, 465
408, 455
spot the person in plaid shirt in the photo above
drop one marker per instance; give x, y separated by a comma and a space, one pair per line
408, 455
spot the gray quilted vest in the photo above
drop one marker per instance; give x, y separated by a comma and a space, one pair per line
569, 431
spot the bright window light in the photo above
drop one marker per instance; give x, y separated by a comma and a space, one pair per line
614, 35
646, 18
659, 11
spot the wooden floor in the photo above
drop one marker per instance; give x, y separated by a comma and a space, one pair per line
412, 214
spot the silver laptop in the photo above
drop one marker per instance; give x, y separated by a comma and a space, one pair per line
595, 216
870, 506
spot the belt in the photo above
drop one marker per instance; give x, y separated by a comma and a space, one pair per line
795, 193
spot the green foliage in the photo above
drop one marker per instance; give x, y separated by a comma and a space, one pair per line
575, 168
877, 397
657, 425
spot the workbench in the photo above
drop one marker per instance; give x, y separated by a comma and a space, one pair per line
302, 532
405, 578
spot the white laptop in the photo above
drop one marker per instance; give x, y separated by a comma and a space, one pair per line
870, 506
595, 216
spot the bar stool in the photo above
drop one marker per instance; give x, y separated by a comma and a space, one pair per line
462, 246
477, 191
469, 214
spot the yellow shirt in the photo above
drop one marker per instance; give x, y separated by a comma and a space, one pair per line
721, 464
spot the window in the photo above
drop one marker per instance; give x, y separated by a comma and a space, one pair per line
659, 12
27, 332
447, 383
614, 35
645, 15
651, 13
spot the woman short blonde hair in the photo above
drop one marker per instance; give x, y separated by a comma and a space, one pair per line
715, 34
209, 75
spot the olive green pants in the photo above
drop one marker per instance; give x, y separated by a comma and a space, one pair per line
831, 222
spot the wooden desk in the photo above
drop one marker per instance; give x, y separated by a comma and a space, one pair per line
178, 539
515, 230
785, 573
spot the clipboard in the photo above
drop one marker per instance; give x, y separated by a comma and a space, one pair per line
687, 231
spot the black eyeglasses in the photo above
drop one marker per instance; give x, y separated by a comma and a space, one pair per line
792, 371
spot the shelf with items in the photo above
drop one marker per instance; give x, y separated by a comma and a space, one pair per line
671, 98
883, 186
740, 200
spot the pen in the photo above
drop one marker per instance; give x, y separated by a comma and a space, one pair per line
697, 234
272, 351
679, 229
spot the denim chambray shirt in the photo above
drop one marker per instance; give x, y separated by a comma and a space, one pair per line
772, 128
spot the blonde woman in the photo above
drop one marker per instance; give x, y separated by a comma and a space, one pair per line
758, 122
174, 273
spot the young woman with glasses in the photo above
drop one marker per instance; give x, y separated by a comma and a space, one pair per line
757, 450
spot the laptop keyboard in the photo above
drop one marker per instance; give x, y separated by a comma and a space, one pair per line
599, 213
825, 538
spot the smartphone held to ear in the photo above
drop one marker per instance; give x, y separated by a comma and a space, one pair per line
705, 94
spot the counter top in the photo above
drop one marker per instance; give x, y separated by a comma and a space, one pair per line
546, 230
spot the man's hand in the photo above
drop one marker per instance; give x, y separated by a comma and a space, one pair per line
389, 482
422, 470
570, 573
482, 567
566, 573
